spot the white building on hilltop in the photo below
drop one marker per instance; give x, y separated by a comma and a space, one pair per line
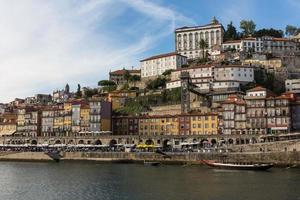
244, 45
215, 77
156, 65
187, 39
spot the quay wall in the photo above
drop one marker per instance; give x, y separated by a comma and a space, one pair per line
277, 158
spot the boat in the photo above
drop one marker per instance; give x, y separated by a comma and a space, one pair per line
54, 155
238, 166
151, 163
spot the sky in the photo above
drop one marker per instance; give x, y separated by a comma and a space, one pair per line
46, 44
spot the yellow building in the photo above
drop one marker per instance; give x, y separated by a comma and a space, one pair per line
204, 124
158, 125
67, 123
84, 117
58, 121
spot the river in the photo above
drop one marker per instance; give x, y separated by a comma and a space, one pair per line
105, 181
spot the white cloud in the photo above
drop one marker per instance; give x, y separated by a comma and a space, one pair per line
45, 44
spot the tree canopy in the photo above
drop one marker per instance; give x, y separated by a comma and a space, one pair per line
107, 85
156, 83
248, 27
231, 32
269, 32
104, 83
291, 30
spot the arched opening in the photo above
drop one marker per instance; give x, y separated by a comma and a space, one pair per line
167, 145
70, 142
80, 142
89, 142
204, 143
57, 142
247, 141
194, 140
158, 141
213, 142
112, 143
33, 142
253, 140
230, 141
149, 142
98, 142
242, 141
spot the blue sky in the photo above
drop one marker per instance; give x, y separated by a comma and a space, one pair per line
46, 44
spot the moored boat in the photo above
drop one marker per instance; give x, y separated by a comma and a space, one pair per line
237, 166
151, 163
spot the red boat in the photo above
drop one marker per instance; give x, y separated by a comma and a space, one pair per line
237, 166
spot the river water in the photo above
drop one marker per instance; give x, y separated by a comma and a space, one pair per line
104, 181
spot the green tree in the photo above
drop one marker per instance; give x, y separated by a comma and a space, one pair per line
107, 85
203, 45
248, 27
90, 92
67, 88
167, 72
127, 75
269, 32
78, 92
104, 83
156, 83
290, 30
230, 33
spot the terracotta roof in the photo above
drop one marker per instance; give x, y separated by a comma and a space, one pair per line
234, 99
257, 88
281, 39
249, 38
161, 56
260, 88
123, 71
232, 41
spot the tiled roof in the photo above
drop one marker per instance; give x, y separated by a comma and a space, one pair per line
161, 56
123, 71
281, 39
232, 41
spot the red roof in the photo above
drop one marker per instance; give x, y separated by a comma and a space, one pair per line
260, 88
123, 71
232, 41
162, 56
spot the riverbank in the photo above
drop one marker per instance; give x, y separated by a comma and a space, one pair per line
277, 158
